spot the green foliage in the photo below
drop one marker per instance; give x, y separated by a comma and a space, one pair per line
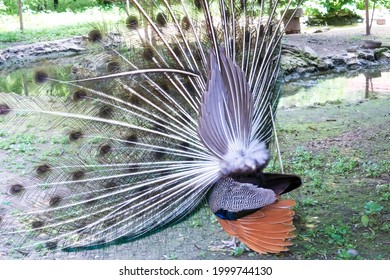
375, 169
343, 165
19, 143
330, 8
371, 210
239, 250
338, 233
304, 161
365, 220
10, 7
334, 8
361, 4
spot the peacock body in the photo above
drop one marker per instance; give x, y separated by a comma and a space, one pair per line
176, 110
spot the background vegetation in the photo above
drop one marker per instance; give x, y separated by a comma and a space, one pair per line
312, 7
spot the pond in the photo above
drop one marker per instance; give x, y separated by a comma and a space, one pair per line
368, 84
305, 92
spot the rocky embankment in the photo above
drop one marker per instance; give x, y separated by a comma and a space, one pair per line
296, 61
18, 56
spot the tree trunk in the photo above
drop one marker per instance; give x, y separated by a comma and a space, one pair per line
55, 3
20, 5
368, 31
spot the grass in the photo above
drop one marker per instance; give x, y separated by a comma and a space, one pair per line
341, 208
52, 26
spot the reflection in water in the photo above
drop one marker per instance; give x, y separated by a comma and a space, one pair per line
366, 85
370, 84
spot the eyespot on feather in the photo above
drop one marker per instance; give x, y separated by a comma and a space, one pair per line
77, 175
132, 22
161, 20
42, 169
79, 95
40, 77
94, 36
75, 135
4, 109
16, 188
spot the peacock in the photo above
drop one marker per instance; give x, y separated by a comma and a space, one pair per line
173, 108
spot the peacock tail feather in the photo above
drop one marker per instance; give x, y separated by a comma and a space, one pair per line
153, 133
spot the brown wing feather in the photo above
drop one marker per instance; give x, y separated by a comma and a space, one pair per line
267, 230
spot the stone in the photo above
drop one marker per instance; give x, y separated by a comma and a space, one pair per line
310, 51
353, 63
378, 53
338, 60
32, 52
329, 62
352, 49
353, 252
323, 66
372, 44
290, 62
305, 70
313, 41
386, 54
366, 54
380, 21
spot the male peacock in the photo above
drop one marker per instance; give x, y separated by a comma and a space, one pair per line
177, 109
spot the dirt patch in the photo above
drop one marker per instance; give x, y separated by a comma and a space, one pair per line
336, 40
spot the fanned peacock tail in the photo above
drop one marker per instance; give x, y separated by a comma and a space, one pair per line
153, 136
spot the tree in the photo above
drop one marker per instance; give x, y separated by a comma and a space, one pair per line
20, 5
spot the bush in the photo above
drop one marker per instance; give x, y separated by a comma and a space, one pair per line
331, 8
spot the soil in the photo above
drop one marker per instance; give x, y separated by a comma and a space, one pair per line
329, 41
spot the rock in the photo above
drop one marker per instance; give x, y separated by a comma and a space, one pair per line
352, 49
371, 44
385, 55
380, 52
353, 252
351, 60
338, 60
380, 21
305, 70
35, 51
366, 54
329, 63
323, 66
310, 51
353, 63
290, 63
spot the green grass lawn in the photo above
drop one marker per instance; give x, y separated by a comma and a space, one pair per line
52, 26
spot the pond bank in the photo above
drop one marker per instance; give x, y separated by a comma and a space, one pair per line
298, 58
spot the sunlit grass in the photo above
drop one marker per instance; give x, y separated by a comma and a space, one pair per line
51, 26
